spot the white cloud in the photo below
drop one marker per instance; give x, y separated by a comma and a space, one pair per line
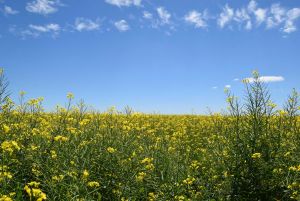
164, 15
267, 79
43, 7
215, 87
46, 28
260, 15
227, 86
252, 6
226, 16
83, 24
9, 11
147, 15
127, 3
122, 25
242, 16
277, 15
236, 79
292, 15
161, 18
248, 25
274, 16
196, 18
28, 33
34, 31
289, 27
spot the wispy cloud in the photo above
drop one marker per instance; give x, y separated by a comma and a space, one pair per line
164, 15
196, 18
280, 15
24, 34
43, 7
45, 28
259, 13
245, 17
291, 16
147, 15
9, 11
34, 31
84, 24
277, 15
122, 25
274, 16
127, 3
240, 15
227, 86
225, 16
266, 79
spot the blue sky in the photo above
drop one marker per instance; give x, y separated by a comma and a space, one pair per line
155, 56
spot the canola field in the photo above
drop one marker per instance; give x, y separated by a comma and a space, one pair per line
250, 153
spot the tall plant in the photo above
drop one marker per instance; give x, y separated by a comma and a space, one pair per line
255, 141
4, 93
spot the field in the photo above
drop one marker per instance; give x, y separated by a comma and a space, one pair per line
250, 153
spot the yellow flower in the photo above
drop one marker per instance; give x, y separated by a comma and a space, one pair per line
34, 184
22, 93
72, 174
256, 155
70, 95
195, 165
37, 193
189, 180
28, 190
58, 178
152, 196
271, 104
85, 174
6, 129
5, 198
93, 184
179, 198
33, 147
150, 166
141, 176
60, 138
282, 112
32, 190
111, 150
147, 160
10, 146
84, 122
53, 154
293, 168
4, 173
15, 145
